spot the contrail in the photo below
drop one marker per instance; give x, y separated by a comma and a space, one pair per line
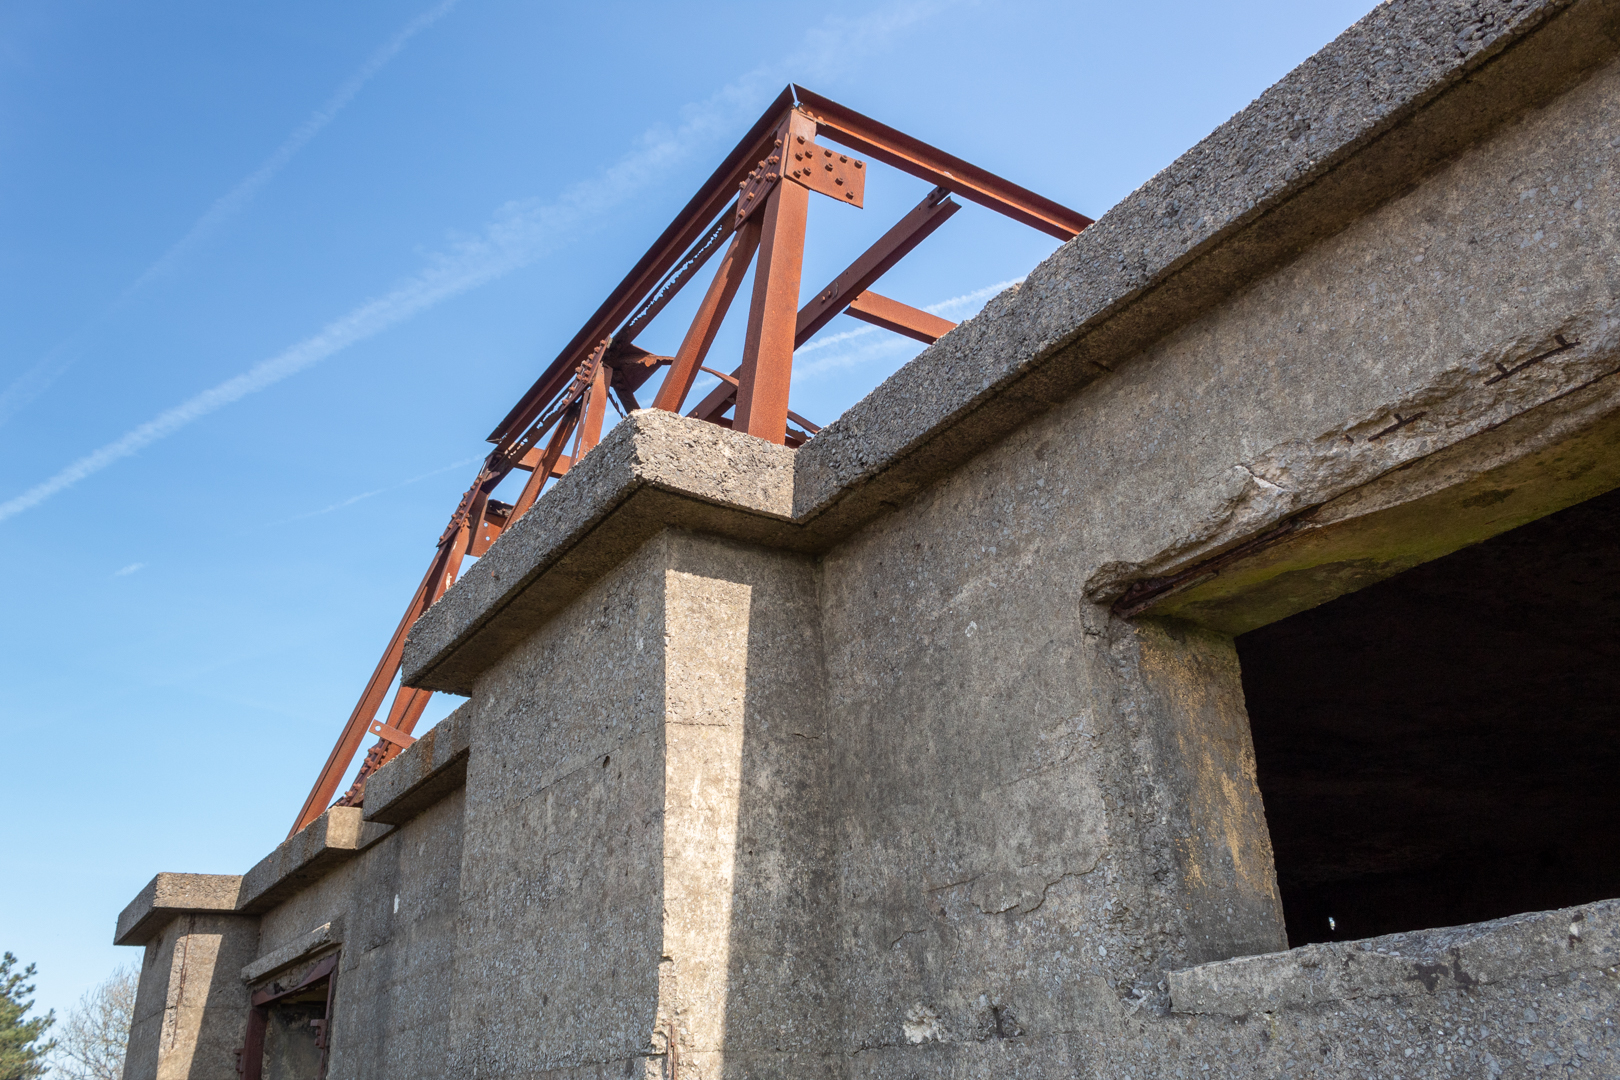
38, 378
518, 234
966, 304
364, 495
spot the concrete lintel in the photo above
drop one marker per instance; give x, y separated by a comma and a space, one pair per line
169, 895
1537, 945
425, 772
336, 836
653, 471
322, 937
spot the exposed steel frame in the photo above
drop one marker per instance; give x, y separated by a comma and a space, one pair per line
752, 212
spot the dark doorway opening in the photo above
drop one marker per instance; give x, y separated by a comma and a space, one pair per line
288, 1026
1443, 747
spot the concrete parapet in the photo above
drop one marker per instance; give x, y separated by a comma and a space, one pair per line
1537, 945
422, 774
169, 895
335, 837
654, 470
191, 1009
1403, 91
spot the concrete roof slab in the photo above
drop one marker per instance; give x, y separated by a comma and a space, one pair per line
169, 895
335, 837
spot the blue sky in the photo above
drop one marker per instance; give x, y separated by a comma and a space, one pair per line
270, 272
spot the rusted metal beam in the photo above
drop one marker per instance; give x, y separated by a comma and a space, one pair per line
894, 245
883, 143
901, 318
676, 279
767, 367
548, 461
718, 400
595, 408
711, 312
690, 224
731, 381
337, 763
531, 461
497, 516
392, 734
631, 366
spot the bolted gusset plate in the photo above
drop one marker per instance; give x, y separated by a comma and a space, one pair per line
835, 175
795, 155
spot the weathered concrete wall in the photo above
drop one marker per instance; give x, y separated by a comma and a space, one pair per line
646, 822
393, 910
562, 875
1041, 798
191, 1006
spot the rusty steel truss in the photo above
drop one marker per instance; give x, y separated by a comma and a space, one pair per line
751, 210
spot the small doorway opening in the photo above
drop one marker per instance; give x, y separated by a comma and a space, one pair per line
1443, 747
288, 1028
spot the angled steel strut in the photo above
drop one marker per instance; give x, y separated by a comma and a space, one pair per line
750, 212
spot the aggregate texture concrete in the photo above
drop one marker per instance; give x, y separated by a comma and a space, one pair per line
681, 703
391, 910
1407, 88
167, 896
339, 834
326, 936
190, 1007
646, 472
1543, 943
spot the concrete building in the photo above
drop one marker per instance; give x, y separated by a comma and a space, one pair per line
1243, 580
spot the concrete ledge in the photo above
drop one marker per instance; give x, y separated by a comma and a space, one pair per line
169, 895
323, 936
1536, 945
652, 471
335, 837
1401, 92
425, 772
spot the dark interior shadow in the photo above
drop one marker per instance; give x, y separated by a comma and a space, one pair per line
1442, 747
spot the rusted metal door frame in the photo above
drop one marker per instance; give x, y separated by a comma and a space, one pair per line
250, 1058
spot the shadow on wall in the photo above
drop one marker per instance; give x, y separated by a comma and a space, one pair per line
781, 929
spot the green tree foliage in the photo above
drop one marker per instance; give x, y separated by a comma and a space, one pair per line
22, 1053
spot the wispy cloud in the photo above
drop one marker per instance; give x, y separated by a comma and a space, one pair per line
518, 234
364, 495
38, 378
959, 307
128, 570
